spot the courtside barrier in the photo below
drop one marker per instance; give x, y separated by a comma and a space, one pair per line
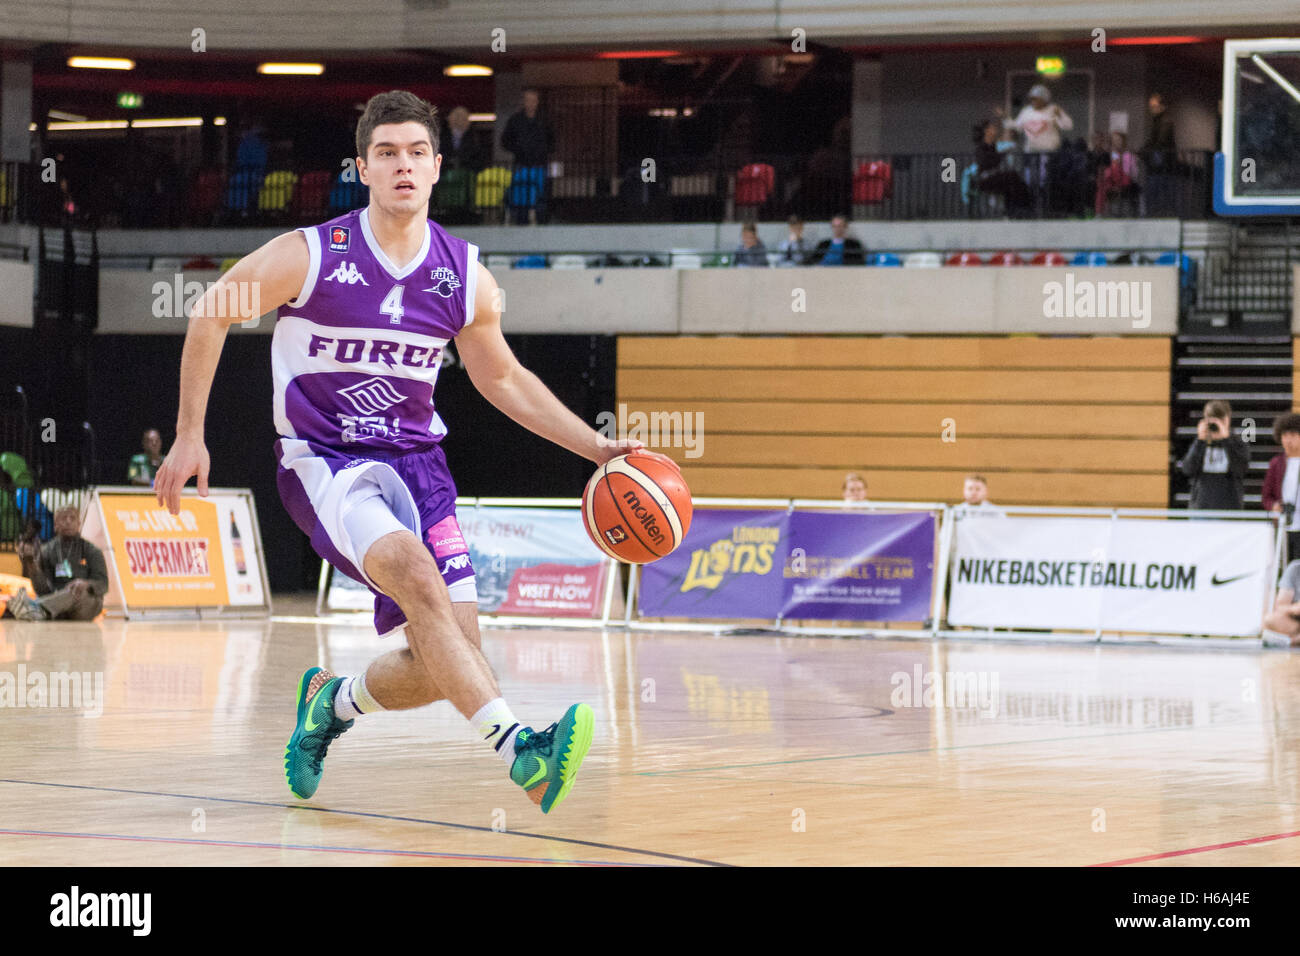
533, 565
206, 561
1114, 571
844, 567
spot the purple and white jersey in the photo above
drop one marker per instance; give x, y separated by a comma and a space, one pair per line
356, 355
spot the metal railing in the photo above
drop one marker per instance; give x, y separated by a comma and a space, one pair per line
676, 188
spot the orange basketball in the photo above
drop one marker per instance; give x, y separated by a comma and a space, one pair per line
637, 508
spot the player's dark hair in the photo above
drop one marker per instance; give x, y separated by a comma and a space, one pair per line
1285, 423
1218, 408
396, 106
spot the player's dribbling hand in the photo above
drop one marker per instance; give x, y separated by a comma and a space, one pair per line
187, 458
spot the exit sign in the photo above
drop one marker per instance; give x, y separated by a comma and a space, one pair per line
130, 101
1050, 65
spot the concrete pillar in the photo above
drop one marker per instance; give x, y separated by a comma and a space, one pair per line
15, 110
868, 75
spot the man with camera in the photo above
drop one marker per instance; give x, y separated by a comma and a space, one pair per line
1217, 462
68, 572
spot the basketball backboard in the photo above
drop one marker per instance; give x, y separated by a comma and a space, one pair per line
1257, 171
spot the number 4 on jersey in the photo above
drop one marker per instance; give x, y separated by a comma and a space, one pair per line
392, 305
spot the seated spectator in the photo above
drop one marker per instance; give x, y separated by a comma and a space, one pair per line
1117, 180
751, 251
794, 248
1282, 481
1284, 619
1217, 462
855, 487
993, 176
975, 500
841, 249
68, 573
146, 464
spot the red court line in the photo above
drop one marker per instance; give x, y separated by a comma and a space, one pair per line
1202, 849
315, 849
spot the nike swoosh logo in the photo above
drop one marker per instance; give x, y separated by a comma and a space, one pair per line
1216, 580
309, 725
541, 772
496, 729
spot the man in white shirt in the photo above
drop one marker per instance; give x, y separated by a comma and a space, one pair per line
1042, 123
975, 500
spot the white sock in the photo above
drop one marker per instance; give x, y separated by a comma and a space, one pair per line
351, 700
497, 725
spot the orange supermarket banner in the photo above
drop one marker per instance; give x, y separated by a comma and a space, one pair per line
208, 555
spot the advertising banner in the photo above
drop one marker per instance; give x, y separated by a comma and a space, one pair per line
527, 561
743, 564
1207, 577
208, 555
728, 566
859, 567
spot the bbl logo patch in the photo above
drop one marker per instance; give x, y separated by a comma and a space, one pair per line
616, 534
339, 238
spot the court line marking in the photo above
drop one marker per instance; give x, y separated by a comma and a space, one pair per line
365, 813
917, 750
316, 849
1201, 849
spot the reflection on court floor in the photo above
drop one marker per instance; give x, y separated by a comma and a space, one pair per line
710, 750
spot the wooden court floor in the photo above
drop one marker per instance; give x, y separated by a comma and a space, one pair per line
746, 750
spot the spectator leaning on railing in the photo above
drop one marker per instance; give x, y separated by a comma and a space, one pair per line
751, 251
1281, 492
975, 500
794, 247
1217, 462
841, 249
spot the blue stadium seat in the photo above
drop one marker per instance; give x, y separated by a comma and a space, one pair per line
885, 259
1090, 259
529, 262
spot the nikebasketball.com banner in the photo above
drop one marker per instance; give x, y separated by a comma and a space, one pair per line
1207, 577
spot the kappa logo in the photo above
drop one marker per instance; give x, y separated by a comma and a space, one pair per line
372, 396
445, 282
616, 534
346, 272
340, 238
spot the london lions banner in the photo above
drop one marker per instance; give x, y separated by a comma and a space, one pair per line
1195, 577
728, 566
859, 567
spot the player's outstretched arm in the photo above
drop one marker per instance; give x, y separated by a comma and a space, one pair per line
261, 281
517, 392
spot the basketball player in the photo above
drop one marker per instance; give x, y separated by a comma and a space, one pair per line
368, 303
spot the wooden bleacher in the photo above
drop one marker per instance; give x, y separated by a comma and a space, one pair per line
1067, 421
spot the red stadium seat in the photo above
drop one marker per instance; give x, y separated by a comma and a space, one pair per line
1006, 259
965, 259
754, 184
312, 198
1048, 259
205, 196
873, 182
